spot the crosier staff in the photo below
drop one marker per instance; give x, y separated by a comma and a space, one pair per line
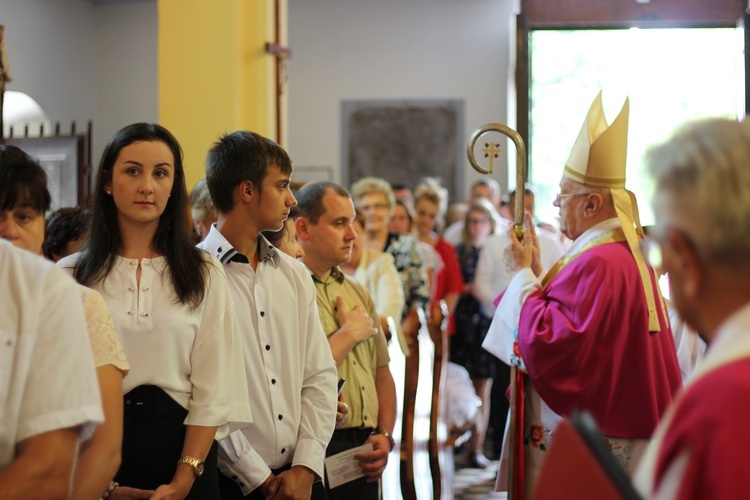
516, 469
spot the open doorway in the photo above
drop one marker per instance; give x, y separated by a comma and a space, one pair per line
671, 76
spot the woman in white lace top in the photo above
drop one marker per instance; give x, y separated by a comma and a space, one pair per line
25, 195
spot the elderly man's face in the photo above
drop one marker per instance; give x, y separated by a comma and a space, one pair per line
676, 246
571, 202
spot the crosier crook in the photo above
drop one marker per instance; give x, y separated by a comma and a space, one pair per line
516, 469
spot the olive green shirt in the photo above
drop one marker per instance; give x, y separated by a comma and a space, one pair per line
360, 365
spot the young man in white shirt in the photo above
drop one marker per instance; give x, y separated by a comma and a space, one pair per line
290, 370
49, 395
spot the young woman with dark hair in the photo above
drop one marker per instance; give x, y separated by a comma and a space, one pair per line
171, 307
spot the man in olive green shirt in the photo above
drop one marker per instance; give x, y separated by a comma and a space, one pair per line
351, 323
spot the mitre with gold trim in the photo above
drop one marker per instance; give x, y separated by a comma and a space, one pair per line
598, 159
599, 153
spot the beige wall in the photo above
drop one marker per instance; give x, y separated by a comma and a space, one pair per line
396, 50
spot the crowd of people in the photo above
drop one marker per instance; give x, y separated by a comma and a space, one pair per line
227, 350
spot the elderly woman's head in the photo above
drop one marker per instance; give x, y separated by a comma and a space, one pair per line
374, 198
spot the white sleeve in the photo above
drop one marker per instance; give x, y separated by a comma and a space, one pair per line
62, 388
489, 267
240, 462
502, 335
220, 394
390, 291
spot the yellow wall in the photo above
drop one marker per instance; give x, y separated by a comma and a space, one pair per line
214, 73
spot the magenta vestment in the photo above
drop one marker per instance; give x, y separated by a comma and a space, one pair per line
585, 343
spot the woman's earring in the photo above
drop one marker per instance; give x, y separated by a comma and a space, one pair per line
108, 192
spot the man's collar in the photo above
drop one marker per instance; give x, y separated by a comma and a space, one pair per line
336, 274
267, 252
592, 233
217, 245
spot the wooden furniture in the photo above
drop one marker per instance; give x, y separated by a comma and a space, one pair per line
440, 452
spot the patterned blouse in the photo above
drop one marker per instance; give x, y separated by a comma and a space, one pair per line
403, 247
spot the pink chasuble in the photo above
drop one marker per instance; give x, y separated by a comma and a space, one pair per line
585, 343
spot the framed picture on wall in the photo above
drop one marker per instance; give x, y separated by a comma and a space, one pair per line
404, 141
62, 157
312, 174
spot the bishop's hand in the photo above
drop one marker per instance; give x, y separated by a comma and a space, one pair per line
524, 253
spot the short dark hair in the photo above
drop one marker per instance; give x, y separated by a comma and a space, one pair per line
310, 198
22, 181
238, 157
63, 226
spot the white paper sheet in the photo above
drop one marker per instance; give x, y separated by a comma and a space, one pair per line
342, 467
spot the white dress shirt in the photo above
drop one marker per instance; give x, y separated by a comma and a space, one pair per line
290, 369
192, 354
492, 273
47, 376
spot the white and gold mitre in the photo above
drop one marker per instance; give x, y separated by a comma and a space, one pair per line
599, 153
598, 159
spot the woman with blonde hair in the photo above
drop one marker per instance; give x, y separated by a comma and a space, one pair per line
472, 323
430, 202
374, 198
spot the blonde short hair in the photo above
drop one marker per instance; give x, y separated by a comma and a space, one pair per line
368, 185
201, 205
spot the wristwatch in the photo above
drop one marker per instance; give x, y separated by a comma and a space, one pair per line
195, 463
386, 434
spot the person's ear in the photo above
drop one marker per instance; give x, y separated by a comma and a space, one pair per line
687, 262
594, 204
246, 191
303, 230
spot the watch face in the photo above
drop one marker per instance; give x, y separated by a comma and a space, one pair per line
199, 469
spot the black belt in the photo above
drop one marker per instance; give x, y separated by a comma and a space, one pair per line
358, 434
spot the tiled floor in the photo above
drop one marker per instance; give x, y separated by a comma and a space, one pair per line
475, 484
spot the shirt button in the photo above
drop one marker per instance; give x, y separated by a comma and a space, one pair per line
145, 315
363, 387
131, 312
133, 262
268, 347
127, 402
146, 289
273, 381
146, 263
262, 314
131, 289
281, 417
283, 450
